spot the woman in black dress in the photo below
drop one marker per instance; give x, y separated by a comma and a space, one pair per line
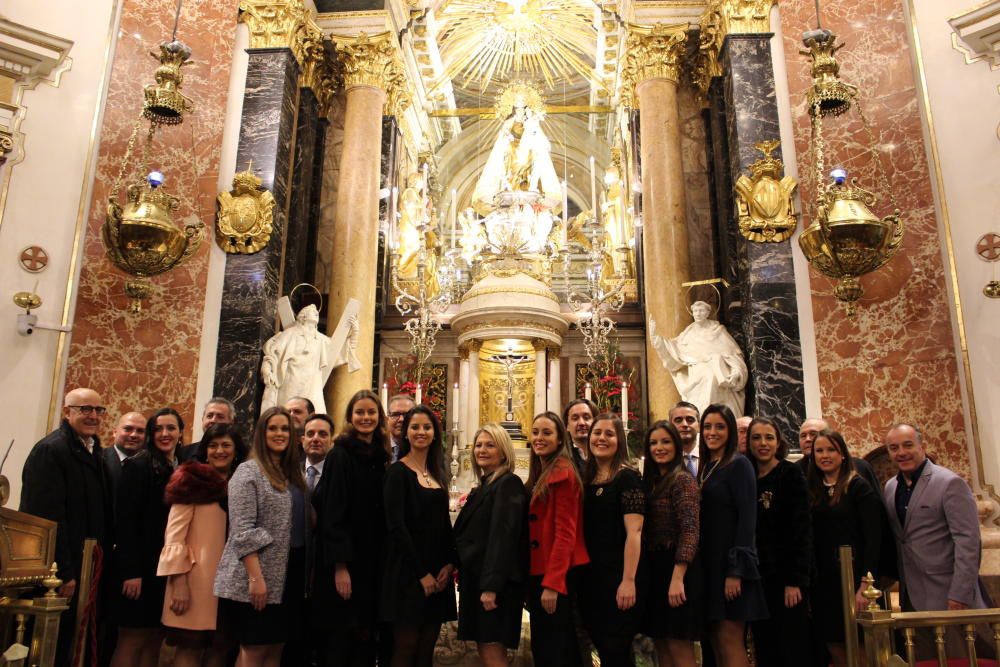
350, 529
417, 590
613, 509
141, 517
784, 544
845, 510
492, 542
670, 549
733, 592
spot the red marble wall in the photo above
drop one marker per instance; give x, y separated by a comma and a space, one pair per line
149, 361
896, 360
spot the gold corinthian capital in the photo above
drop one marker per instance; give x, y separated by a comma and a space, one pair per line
273, 23
655, 52
373, 60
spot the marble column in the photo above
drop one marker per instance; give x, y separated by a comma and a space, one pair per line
541, 384
253, 283
761, 305
355, 244
301, 220
474, 389
654, 58
556, 403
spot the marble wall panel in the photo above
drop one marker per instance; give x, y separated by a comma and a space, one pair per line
151, 360
333, 151
896, 360
694, 160
298, 265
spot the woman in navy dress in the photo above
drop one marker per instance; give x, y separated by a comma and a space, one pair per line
734, 595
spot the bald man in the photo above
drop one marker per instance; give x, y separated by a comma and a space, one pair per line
742, 424
129, 435
64, 480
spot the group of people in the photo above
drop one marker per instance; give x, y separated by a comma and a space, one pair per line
307, 547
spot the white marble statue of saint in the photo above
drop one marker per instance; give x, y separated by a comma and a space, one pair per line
298, 361
705, 362
520, 169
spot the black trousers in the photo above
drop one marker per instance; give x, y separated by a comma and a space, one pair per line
553, 636
783, 639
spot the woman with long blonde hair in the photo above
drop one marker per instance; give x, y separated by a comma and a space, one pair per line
492, 543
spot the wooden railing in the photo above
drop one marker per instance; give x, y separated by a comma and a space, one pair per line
881, 626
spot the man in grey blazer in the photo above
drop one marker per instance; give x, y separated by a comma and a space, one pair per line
934, 519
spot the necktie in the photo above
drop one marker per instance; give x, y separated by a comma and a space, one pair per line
311, 475
690, 464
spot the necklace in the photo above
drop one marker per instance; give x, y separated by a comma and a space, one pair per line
829, 487
712, 467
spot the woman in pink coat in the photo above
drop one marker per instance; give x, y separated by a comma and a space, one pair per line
195, 537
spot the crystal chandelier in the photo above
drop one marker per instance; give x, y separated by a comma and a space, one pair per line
602, 295
845, 240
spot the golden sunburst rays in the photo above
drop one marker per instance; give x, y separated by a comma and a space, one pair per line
488, 40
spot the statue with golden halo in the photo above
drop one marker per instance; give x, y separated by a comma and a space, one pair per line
518, 191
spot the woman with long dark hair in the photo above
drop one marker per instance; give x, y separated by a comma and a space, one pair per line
193, 544
784, 545
734, 595
141, 517
613, 509
350, 531
555, 526
417, 590
261, 574
845, 510
670, 548
492, 543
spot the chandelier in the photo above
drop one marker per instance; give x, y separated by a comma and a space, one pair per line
602, 295
846, 239
140, 235
417, 297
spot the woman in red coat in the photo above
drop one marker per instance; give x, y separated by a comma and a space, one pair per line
555, 528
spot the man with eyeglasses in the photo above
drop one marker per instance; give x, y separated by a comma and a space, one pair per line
64, 480
399, 405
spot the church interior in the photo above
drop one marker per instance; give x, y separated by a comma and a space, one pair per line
774, 204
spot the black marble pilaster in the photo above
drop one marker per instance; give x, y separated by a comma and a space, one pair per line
761, 305
252, 282
300, 213
315, 203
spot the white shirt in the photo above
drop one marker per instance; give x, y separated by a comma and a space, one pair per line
122, 455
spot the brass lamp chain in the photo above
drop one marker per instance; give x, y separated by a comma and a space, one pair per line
129, 149
880, 177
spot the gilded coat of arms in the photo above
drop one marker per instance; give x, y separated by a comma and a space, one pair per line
246, 215
766, 211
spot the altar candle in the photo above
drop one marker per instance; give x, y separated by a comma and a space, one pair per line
548, 397
454, 218
593, 187
625, 405
420, 395
384, 395
586, 391
454, 405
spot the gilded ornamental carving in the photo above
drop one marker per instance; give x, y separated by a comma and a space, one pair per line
652, 53
246, 216
764, 199
373, 60
272, 23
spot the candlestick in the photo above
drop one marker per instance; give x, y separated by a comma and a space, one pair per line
420, 395
593, 187
586, 391
454, 405
384, 395
625, 405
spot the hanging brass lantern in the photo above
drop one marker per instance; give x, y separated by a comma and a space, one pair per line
140, 236
845, 240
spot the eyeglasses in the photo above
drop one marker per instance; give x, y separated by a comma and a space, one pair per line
396, 415
90, 409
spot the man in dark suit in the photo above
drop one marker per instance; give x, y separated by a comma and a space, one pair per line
218, 410
129, 435
578, 415
64, 480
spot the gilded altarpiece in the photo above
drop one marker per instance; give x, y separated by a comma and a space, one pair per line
493, 391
